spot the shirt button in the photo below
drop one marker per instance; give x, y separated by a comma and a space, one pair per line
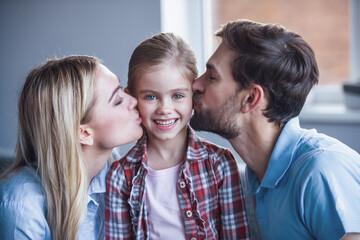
188, 213
182, 184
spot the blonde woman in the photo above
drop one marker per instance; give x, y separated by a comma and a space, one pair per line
72, 113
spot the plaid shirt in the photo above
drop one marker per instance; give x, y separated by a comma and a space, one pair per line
208, 189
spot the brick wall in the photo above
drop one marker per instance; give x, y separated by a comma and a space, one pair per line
324, 24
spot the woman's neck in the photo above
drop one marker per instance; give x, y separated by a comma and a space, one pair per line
95, 160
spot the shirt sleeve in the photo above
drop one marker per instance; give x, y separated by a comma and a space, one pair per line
23, 220
118, 224
331, 195
232, 203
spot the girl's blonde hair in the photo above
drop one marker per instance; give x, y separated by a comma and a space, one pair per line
55, 99
162, 48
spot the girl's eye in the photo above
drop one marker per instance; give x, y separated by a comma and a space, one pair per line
150, 97
119, 101
178, 96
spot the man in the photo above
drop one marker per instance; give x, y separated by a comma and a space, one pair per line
306, 185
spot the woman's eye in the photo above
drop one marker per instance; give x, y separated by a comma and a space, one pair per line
150, 97
119, 101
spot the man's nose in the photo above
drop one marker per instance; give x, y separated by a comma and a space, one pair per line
198, 85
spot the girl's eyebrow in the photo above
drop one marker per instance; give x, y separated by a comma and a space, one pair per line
147, 91
181, 89
114, 92
172, 90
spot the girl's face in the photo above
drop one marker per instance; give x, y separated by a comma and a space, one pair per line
114, 119
164, 101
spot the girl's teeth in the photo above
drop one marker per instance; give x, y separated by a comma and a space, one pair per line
165, 123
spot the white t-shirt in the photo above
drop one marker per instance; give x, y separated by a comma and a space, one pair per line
164, 215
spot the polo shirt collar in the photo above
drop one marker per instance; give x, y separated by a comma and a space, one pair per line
281, 157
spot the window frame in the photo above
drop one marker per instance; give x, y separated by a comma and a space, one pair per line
193, 21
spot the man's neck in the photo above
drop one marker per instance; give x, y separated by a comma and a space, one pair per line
256, 144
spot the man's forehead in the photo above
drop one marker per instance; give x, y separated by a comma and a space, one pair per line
221, 53
222, 56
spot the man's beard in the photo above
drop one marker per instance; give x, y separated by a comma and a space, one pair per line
220, 121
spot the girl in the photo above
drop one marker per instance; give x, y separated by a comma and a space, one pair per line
72, 113
172, 184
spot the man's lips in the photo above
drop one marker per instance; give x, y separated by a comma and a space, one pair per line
195, 106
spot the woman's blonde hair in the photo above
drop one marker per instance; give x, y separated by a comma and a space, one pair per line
55, 99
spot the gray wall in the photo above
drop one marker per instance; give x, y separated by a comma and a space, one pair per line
33, 31
348, 133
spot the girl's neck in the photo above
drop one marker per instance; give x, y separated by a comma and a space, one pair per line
164, 154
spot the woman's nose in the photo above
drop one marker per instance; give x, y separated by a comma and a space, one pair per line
132, 102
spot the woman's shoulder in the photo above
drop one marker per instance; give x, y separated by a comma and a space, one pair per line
23, 206
22, 186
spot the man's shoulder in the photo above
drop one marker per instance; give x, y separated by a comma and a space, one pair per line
322, 157
322, 150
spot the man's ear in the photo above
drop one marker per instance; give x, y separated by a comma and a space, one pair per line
86, 137
252, 100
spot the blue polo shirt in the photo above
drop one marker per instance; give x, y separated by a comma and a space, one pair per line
311, 189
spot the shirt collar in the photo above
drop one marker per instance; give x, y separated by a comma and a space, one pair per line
196, 150
138, 152
98, 184
281, 157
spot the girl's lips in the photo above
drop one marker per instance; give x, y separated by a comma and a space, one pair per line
165, 124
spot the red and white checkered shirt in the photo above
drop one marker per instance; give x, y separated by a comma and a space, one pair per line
208, 189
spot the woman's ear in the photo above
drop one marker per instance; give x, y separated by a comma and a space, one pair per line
126, 90
86, 137
255, 95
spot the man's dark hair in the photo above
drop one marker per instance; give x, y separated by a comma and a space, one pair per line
277, 59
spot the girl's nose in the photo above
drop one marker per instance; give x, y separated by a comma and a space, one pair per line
164, 107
